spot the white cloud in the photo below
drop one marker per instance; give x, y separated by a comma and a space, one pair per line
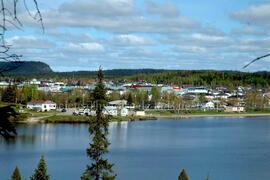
130, 40
98, 8
197, 39
113, 16
29, 42
248, 30
84, 48
254, 15
168, 8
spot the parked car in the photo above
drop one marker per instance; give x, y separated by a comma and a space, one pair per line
82, 112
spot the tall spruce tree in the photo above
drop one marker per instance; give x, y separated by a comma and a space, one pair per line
183, 175
130, 99
41, 171
100, 168
10, 94
16, 175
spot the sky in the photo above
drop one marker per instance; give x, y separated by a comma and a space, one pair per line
132, 34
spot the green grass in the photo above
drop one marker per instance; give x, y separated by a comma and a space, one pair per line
66, 119
86, 119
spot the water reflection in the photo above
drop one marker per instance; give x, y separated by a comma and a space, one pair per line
118, 133
229, 147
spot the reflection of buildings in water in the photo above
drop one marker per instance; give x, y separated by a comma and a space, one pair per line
48, 135
118, 133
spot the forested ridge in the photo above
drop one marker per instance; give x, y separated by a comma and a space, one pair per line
33, 69
206, 78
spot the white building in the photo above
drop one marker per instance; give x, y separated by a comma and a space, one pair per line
209, 105
115, 111
123, 112
110, 110
198, 90
234, 109
40, 105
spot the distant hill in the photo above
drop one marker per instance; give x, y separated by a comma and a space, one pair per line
33, 69
113, 72
26, 68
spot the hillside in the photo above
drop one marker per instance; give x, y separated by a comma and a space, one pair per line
32, 69
25, 68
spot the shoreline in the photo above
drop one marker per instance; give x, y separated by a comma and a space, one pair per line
83, 119
212, 115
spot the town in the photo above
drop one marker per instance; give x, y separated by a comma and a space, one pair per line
132, 98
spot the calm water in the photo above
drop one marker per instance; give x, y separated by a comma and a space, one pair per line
227, 148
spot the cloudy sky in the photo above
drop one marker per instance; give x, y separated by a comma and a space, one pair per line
160, 34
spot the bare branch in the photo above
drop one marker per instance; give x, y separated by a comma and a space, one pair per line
9, 17
258, 58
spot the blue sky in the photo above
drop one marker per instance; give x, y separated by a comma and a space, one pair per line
163, 34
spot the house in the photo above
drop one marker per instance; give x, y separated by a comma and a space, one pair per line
234, 109
209, 105
110, 110
198, 90
137, 113
123, 112
40, 105
118, 103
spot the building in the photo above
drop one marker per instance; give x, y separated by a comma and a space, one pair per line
234, 109
137, 113
209, 105
110, 110
40, 105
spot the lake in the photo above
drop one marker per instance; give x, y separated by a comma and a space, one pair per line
224, 148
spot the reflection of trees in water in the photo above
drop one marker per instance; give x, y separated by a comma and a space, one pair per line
19, 139
7, 128
27, 135
120, 133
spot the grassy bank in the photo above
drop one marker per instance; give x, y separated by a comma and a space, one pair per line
86, 119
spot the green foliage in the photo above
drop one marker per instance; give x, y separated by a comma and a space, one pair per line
16, 174
183, 175
30, 93
129, 99
202, 98
41, 171
156, 95
100, 168
205, 78
27, 68
10, 94
8, 114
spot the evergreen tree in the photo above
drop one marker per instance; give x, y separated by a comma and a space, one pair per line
41, 171
130, 99
183, 175
100, 168
16, 174
10, 94
155, 91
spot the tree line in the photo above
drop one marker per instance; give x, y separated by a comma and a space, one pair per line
205, 78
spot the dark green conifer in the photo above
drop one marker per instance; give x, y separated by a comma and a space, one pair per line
16, 174
41, 171
10, 94
129, 99
100, 168
183, 175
